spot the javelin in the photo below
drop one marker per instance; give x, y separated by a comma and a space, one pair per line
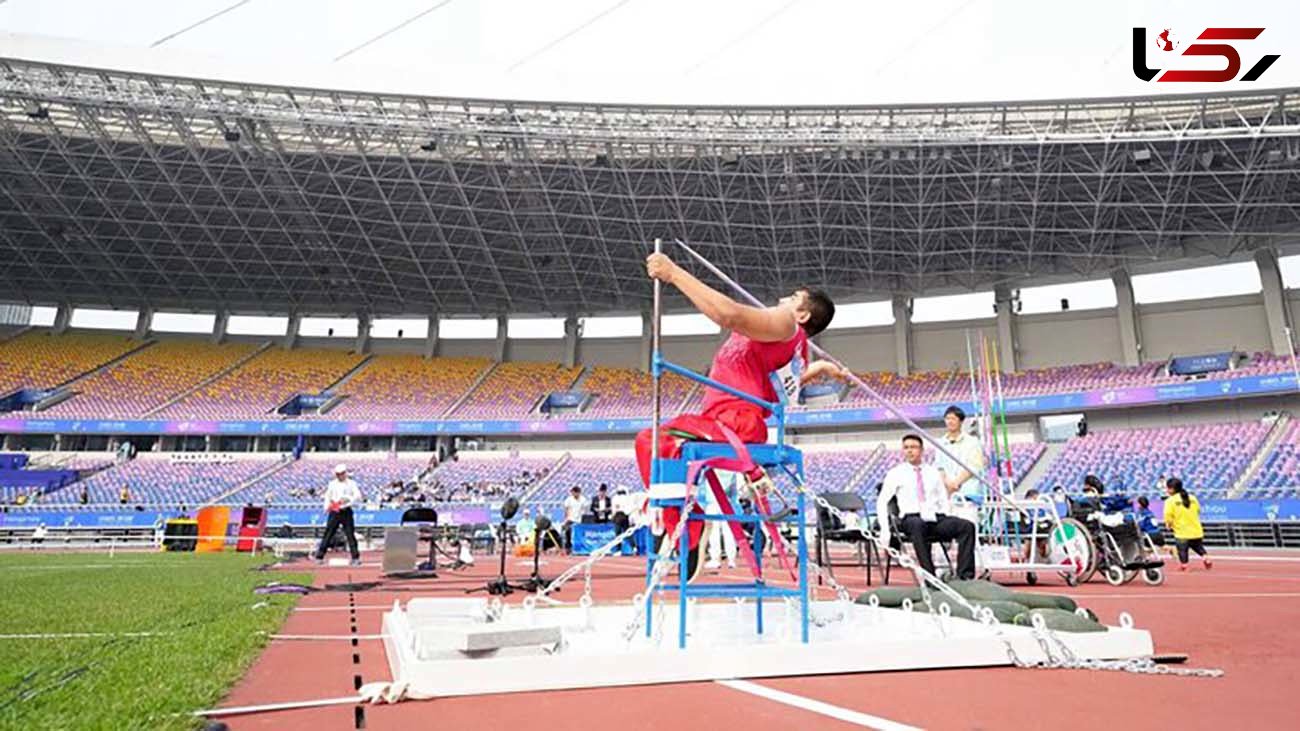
827, 356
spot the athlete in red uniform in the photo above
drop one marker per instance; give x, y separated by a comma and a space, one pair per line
763, 341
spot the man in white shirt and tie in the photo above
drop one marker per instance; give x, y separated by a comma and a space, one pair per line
923, 508
341, 494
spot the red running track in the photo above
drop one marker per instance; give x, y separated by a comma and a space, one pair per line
1234, 617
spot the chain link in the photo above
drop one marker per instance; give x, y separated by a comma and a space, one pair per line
658, 571
1045, 636
1056, 653
585, 566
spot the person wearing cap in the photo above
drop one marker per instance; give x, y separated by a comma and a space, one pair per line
956, 477
341, 494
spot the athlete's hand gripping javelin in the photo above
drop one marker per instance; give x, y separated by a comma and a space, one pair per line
764, 324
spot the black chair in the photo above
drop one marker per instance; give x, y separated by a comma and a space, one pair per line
896, 540
831, 529
425, 521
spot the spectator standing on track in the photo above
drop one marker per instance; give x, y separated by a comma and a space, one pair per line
341, 494
1183, 516
574, 507
967, 448
601, 505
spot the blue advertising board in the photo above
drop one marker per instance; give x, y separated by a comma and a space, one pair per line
586, 536
448, 515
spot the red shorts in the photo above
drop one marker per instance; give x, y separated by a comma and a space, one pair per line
748, 424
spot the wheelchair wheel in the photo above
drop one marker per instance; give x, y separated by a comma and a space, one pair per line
1114, 575
1072, 548
1154, 577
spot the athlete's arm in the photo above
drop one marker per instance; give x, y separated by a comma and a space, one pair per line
822, 368
764, 324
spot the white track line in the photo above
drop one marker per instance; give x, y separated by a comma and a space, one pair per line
343, 608
291, 705
856, 718
1206, 595
327, 637
1262, 559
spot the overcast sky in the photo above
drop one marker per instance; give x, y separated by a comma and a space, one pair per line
686, 51
683, 51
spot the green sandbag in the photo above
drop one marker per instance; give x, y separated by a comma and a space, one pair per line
1005, 612
957, 610
1002, 611
983, 591
1044, 601
890, 596
1060, 620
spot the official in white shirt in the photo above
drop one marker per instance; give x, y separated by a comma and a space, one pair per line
341, 494
967, 448
923, 507
574, 507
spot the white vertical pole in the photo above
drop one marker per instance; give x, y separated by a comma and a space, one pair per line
654, 353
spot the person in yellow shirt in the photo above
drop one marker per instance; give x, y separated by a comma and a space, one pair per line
1183, 516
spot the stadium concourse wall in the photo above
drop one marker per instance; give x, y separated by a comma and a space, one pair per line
1042, 340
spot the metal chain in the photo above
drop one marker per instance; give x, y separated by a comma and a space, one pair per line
1046, 638
1044, 634
585, 566
658, 571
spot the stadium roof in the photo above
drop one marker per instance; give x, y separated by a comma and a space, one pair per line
138, 189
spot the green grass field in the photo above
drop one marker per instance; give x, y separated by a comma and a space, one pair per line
202, 605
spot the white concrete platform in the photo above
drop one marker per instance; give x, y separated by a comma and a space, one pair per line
430, 650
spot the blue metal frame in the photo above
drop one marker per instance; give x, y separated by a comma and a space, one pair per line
778, 455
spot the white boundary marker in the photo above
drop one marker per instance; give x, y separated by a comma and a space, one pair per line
814, 706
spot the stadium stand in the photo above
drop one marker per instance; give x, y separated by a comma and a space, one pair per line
921, 387
40, 359
514, 389
1279, 475
170, 481
406, 387
588, 473
626, 392
256, 388
303, 481
149, 378
1208, 458
474, 477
